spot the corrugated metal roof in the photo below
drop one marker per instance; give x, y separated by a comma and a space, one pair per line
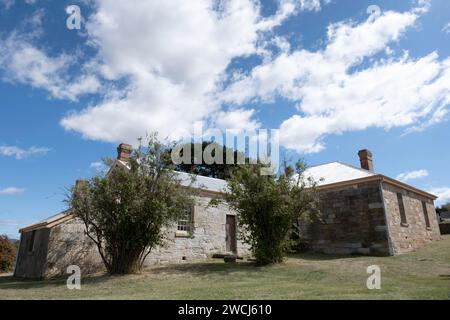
335, 172
201, 182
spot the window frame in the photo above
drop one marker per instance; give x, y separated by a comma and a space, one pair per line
426, 215
32, 241
185, 226
402, 210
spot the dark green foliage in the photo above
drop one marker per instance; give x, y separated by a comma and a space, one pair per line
7, 254
269, 207
127, 211
443, 208
218, 169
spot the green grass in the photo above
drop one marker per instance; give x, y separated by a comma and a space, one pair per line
424, 274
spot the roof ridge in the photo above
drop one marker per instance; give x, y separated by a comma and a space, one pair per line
357, 168
322, 164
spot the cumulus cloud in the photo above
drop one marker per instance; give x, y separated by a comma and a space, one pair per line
339, 89
443, 194
167, 66
412, 175
20, 153
175, 66
11, 191
25, 63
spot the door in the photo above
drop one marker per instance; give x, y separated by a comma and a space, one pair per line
230, 229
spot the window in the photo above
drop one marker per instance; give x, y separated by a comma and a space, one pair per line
185, 223
401, 207
31, 243
425, 214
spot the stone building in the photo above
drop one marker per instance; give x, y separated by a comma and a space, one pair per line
368, 213
362, 213
47, 248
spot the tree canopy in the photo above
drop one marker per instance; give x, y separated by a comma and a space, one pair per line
197, 164
127, 211
269, 207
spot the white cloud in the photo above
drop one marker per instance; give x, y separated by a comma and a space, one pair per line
20, 153
98, 166
333, 96
174, 61
175, 55
239, 119
173, 58
24, 63
11, 191
412, 175
443, 194
446, 28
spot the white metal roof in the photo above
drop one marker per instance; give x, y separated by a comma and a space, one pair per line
335, 172
201, 182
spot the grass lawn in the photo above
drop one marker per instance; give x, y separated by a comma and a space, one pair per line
424, 274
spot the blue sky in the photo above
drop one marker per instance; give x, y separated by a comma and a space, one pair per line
332, 77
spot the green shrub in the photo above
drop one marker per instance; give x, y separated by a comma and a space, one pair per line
7, 254
270, 207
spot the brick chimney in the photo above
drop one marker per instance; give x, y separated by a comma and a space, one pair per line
124, 151
365, 157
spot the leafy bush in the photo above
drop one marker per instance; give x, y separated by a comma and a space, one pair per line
270, 207
7, 254
127, 211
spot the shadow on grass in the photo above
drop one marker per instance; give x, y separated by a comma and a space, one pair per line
10, 282
205, 268
196, 268
444, 277
312, 256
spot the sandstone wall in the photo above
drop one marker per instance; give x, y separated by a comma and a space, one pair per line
353, 222
69, 245
415, 233
31, 263
207, 236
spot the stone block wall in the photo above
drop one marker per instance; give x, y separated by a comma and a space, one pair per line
353, 221
69, 245
207, 236
414, 234
31, 261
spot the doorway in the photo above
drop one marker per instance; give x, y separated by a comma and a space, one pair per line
230, 238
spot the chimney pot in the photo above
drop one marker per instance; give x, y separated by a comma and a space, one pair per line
366, 159
124, 151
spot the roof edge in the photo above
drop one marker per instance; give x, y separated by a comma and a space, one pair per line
382, 178
42, 225
408, 187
